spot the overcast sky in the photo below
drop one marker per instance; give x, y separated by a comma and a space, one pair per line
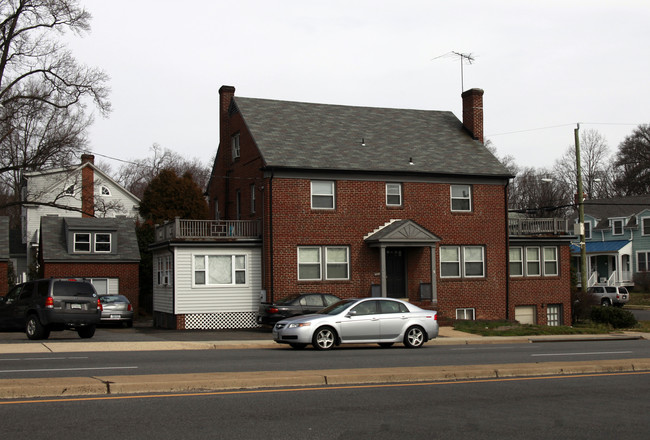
544, 66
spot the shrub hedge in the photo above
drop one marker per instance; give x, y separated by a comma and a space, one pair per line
614, 316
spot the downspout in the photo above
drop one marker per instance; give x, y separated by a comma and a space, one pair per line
507, 259
271, 300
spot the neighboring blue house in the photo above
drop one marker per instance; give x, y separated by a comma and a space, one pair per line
617, 233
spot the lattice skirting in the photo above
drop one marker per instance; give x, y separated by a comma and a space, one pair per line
219, 321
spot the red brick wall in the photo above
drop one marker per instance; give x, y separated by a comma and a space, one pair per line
360, 209
126, 272
541, 291
87, 191
4, 281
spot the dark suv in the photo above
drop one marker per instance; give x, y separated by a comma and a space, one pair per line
52, 304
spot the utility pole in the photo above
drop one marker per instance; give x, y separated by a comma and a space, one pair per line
580, 199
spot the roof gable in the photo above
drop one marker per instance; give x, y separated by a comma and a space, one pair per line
322, 136
402, 232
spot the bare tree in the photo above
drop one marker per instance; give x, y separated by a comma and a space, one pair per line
596, 164
633, 163
137, 175
43, 90
536, 193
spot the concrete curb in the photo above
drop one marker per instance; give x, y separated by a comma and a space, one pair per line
178, 383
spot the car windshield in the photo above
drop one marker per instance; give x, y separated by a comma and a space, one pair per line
337, 308
287, 299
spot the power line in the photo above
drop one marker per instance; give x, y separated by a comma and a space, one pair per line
559, 126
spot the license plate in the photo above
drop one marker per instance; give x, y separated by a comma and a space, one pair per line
115, 316
75, 306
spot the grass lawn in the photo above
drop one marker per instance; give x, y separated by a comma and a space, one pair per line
639, 299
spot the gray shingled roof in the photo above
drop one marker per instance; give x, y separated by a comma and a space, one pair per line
53, 237
322, 136
604, 209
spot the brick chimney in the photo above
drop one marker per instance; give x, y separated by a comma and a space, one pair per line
226, 93
87, 186
473, 112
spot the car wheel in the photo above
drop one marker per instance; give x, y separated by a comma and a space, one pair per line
386, 344
414, 337
34, 329
324, 338
86, 331
605, 302
298, 346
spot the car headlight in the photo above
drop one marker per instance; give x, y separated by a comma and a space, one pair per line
299, 324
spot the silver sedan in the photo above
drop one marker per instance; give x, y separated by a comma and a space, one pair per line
370, 320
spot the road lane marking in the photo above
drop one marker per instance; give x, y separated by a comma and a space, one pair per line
583, 354
40, 370
321, 388
45, 358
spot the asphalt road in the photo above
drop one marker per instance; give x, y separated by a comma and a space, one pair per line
533, 408
283, 358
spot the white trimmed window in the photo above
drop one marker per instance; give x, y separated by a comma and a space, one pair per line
471, 259
82, 242
69, 191
322, 194
516, 262
554, 315
164, 270
528, 261
102, 243
393, 194
219, 270
328, 262
550, 261
617, 227
587, 230
532, 262
234, 144
643, 261
645, 226
461, 198
105, 191
466, 313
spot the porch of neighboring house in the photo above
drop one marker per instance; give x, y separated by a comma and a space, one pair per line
608, 263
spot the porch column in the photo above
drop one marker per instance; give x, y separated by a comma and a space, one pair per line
434, 287
383, 271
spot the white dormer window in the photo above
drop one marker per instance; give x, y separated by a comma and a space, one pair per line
617, 227
69, 191
105, 191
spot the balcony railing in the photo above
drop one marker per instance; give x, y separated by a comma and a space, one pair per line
538, 226
209, 229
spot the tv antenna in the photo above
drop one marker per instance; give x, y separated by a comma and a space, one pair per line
463, 57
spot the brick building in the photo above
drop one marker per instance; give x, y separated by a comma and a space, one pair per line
359, 201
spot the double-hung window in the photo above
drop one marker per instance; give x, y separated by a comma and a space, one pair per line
323, 262
102, 243
643, 261
532, 261
516, 262
550, 261
393, 194
462, 261
645, 226
617, 227
322, 194
82, 242
461, 198
234, 144
219, 270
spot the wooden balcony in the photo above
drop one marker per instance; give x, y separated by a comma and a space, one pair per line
202, 230
523, 227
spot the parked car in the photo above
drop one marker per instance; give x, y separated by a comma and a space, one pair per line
610, 295
292, 305
116, 308
370, 320
52, 304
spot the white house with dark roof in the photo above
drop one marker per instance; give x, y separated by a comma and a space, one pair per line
81, 190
